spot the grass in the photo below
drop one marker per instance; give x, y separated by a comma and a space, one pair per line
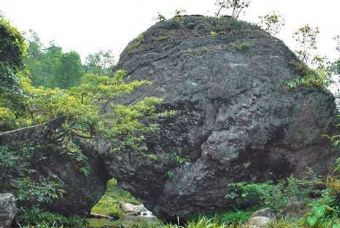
109, 204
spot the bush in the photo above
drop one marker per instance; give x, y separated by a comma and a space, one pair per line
276, 196
34, 217
233, 218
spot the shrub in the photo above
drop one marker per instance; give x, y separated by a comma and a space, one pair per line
308, 78
242, 45
276, 196
233, 218
34, 217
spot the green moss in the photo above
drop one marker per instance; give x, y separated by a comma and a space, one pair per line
242, 45
226, 24
101, 223
136, 43
213, 34
161, 38
109, 204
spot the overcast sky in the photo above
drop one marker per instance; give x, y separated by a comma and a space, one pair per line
90, 25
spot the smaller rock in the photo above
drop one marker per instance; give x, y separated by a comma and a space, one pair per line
136, 213
129, 208
7, 209
259, 222
265, 212
261, 219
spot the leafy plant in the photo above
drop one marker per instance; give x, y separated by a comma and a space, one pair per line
213, 34
242, 45
233, 218
322, 213
276, 196
308, 78
160, 17
272, 22
233, 7
37, 218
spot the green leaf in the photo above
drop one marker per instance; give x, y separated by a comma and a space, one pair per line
312, 221
319, 211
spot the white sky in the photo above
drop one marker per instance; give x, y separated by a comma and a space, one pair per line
90, 25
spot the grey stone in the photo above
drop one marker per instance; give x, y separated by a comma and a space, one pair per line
259, 222
236, 119
7, 209
265, 212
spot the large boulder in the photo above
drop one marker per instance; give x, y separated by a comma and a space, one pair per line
235, 120
8, 209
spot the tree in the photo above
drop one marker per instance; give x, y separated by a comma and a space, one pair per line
100, 63
306, 38
68, 70
12, 49
272, 22
335, 66
233, 7
90, 110
50, 66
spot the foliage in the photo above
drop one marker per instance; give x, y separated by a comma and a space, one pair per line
272, 22
34, 217
91, 110
232, 218
233, 7
324, 212
213, 34
309, 78
17, 175
202, 222
100, 63
135, 43
50, 66
276, 196
12, 48
242, 45
178, 14
69, 71
225, 25
335, 66
160, 17
307, 46
44, 191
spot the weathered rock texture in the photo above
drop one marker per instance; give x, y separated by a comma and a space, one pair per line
7, 209
50, 161
236, 119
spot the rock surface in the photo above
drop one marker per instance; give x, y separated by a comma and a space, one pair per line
7, 209
49, 161
265, 212
236, 119
258, 222
261, 219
